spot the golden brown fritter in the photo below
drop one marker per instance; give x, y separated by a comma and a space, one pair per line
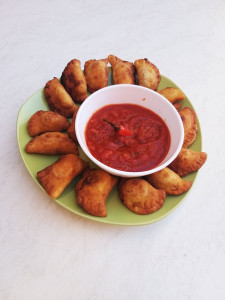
140, 197
46, 121
123, 71
56, 177
74, 81
96, 74
148, 75
188, 161
189, 120
52, 143
172, 94
58, 99
169, 181
92, 191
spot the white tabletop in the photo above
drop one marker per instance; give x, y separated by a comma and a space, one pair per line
48, 252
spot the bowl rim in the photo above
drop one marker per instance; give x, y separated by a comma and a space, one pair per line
114, 171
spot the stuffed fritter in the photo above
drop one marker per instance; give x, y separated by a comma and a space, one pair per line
189, 120
172, 94
169, 181
96, 74
148, 74
92, 191
140, 196
46, 121
56, 177
123, 71
51, 143
58, 99
188, 161
74, 81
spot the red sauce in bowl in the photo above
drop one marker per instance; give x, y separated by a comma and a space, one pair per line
142, 151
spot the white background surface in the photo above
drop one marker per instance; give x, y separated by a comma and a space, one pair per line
49, 253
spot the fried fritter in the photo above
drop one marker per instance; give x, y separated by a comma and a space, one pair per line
148, 75
188, 161
92, 191
46, 121
172, 94
123, 71
52, 143
189, 120
140, 196
74, 81
71, 130
96, 74
56, 177
58, 99
169, 181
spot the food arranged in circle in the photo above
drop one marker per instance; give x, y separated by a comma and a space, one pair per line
52, 132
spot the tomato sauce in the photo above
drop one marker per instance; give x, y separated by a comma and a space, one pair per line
144, 150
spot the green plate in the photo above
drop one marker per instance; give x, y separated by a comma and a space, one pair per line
117, 213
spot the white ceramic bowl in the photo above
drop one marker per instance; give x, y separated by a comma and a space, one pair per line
126, 93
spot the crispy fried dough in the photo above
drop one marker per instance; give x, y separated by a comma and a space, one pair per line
92, 191
46, 121
189, 120
74, 81
140, 197
169, 181
71, 130
172, 94
96, 74
123, 71
148, 75
188, 161
58, 99
52, 143
56, 177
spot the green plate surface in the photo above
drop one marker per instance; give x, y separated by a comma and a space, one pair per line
117, 213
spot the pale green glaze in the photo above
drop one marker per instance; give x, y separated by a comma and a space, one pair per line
117, 212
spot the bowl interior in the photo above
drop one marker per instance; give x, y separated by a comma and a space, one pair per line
133, 94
